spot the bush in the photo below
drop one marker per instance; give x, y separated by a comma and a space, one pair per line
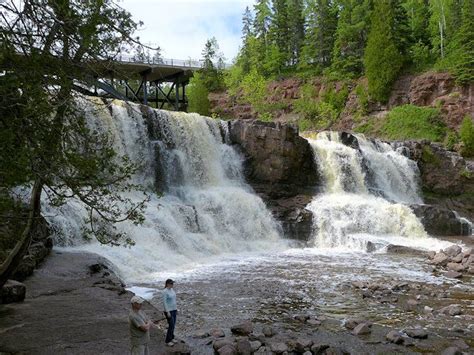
451, 140
198, 95
466, 132
413, 122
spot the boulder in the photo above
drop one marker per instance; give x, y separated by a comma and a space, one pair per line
456, 267
255, 345
227, 349
319, 348
440, 259
242, 329
417, 333
12, 291
278, 347
404, 250
217, 344
452, 310
453, 250
267, 331
361, 329
303, 344
217, 333
395, 337
244, 347
452, 350
453, 274
440, 221
352, 323
280, 166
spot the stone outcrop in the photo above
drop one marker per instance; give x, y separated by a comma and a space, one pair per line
447, 179
440, 221
280, 167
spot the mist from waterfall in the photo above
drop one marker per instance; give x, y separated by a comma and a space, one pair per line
200, 206
367, 190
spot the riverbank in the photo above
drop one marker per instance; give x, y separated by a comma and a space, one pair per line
74, 305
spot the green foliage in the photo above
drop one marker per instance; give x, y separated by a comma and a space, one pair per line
451, 140
318, 113
265, 117
212, 73
363, 97
466, 133
421, 56
254, 87
429, 157
413, 122
198, 95
460, 58
382, 59
53, 145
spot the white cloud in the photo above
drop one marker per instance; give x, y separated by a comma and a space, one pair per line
181, 27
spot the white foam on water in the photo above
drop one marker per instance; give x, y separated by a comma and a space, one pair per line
206, 210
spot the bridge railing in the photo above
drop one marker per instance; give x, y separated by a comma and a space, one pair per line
192, 63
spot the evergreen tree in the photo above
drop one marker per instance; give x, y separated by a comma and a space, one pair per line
211, 74
321, 22
279, 30
295, 29
262, 20
247, 34
351, 36
382, 59
461, 51
445, 19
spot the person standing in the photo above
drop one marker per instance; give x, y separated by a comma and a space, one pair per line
140, 326
170, 310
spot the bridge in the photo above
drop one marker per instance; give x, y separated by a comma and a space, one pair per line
119, 78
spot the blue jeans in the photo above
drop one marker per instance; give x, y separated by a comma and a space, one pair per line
171, 324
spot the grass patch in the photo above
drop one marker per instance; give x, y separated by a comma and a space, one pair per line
413, 122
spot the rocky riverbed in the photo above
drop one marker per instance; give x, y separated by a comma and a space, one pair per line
74, 305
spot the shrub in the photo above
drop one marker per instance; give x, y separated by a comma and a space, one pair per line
466, 132
413, 122
451, 140
198, 95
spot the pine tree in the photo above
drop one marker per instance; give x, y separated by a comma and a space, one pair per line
279, 30
295, 29
351, 36
247, 34
382, 59
262, 20
321, 22
461, 51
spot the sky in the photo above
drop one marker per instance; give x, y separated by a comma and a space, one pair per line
182, 27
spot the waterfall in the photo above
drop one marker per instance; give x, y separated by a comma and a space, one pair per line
204, 208
366, 189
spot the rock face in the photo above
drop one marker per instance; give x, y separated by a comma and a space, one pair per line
447, 179
440, 221
280, 167
12, 291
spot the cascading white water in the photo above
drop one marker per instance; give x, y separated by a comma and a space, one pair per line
206, 208
365, 191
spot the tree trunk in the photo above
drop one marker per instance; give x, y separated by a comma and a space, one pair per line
8, 267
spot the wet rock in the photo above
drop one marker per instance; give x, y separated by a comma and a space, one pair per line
460, 344
452, 310
201, 334
96, 268
453, 274
440, 259
217, 344
427, 310
242, 329
319, 348
303, 344
244, 347
458, 258
25, 269
12, 291
417, 333
395, 337
255, 345
352, 323
438, 220
453, 250
452, 350
314, 322
217, 333
307, 353
361, 329
404, 250
336, 351
278, 347
302, 317
227, 349
412, 304
267, 331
